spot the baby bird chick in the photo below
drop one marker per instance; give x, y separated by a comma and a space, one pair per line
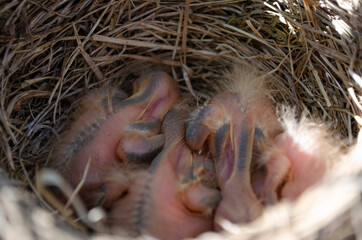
231, 127
258, 158
172, 199
297, 158
114, 134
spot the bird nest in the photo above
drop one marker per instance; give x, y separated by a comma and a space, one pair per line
53, 52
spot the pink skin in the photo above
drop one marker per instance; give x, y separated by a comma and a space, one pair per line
167, 201
291, 163
105, 123
283, 168
228, 127
176, 197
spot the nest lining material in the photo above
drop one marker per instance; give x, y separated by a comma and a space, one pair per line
52, 52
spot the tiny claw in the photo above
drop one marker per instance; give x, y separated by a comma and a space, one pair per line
204, 170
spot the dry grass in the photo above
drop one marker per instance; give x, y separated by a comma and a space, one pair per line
52, 52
